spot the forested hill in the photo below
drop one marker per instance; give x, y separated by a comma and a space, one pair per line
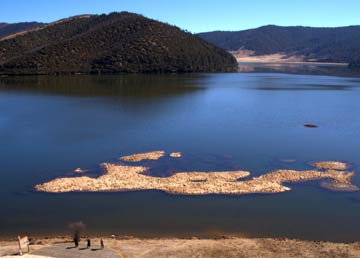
114, 43
341, 44
7, 29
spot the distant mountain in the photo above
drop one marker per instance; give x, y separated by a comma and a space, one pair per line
118, 42
7, 29
340, 44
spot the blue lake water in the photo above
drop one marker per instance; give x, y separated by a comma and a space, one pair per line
252, 121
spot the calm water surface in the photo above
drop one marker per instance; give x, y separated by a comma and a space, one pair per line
250, 121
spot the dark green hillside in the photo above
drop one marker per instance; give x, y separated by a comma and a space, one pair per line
36, 40
7, 29
340, 44
114, 43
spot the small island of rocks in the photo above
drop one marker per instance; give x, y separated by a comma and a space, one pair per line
119, 177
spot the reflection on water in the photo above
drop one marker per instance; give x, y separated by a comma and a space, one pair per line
86, 86
299, 68
51, 125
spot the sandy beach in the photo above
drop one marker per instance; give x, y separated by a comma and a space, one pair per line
221, 247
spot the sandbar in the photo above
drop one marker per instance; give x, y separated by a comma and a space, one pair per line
153, 155
118, 177
338, 165
175, 155
80, 170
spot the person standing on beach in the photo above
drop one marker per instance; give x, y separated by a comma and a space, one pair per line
76, 242
88, 243
102, 243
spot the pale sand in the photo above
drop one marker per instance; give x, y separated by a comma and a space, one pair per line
273, 58
80, 170
153, 155
129, 178
248, 56
230, 247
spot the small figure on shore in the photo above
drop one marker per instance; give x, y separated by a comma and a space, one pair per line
102, 243
76, 229
88, 243
76, 242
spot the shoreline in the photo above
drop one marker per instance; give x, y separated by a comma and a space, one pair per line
248, 62
208, 236
224, 246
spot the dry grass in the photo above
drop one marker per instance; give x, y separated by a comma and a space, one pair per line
230, 247
248, 56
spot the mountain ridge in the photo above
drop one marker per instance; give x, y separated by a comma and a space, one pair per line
322, 44
114, 43
7, 29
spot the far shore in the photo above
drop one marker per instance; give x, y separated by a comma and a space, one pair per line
241, 61
278, 58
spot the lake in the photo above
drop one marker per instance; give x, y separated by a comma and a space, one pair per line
252, 121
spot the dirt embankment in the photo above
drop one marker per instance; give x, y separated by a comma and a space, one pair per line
225, 247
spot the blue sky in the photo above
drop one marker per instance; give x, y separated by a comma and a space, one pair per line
196, 15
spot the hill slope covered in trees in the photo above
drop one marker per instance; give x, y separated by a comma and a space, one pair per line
114, 43
340, 44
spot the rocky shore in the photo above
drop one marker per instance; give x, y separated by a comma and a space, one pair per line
129, 178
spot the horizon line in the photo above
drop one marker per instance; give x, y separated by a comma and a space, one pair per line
215, 30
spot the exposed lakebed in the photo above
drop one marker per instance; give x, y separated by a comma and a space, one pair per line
122, 177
